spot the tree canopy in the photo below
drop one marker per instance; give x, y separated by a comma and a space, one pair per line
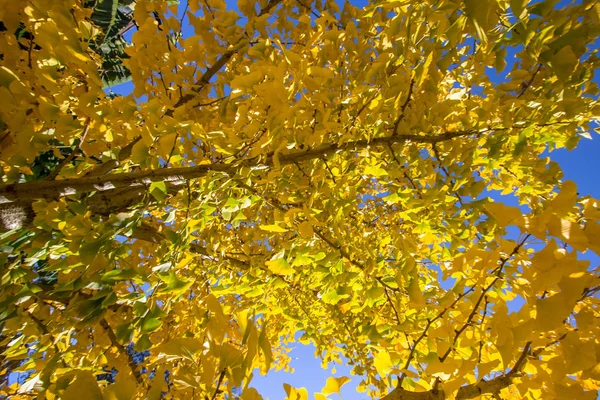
297, 170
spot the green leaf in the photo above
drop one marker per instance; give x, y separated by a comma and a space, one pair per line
88, 251
124, 333
158, 190
151, 324
175, 285
117, 275
332, 297
143, 343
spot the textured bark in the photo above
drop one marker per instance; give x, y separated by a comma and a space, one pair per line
20, 214
493, 386
16, 215
54, 189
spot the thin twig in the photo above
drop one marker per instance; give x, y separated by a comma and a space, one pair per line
73, 154
526, 84
424, 332
172, 149
404, 106
221, 377
498, 273
45, 331
113, 339
329, 169
392, 305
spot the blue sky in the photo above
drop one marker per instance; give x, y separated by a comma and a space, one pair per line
580, 165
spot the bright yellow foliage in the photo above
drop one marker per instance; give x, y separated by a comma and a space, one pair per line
290, 168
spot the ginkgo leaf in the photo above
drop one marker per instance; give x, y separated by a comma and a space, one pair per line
334, 385
251, 394
375, 171
265, 347
280, 266
123, 389
272, 228
306, 230
551, 312
505, 215
566, 198
415, 294
295, 393
180, 348
334, 174
332, 297
85, 384
383, 363
422, 70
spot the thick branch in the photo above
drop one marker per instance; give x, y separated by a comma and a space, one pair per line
53, 189
472, 391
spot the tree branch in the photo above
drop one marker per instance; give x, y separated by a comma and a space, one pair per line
68, 159
404, 106
204, 80
424, 332
113, 339
498, 273
45, 189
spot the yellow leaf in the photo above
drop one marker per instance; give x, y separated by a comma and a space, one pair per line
333, 385
592, 231
85, 386
415, 294
124, 389
564, 63
551, 311
295, 394
422, 70
265, 347
383, 363
7, 76
180, 348
272, 228
166, 144
568, 231
279, 265
251, 394
579, 352
505, 215
565, 200
375, 170
306, 230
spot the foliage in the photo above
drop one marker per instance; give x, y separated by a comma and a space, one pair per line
114, 18
299, 169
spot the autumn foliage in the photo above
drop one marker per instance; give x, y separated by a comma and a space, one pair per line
297, 169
